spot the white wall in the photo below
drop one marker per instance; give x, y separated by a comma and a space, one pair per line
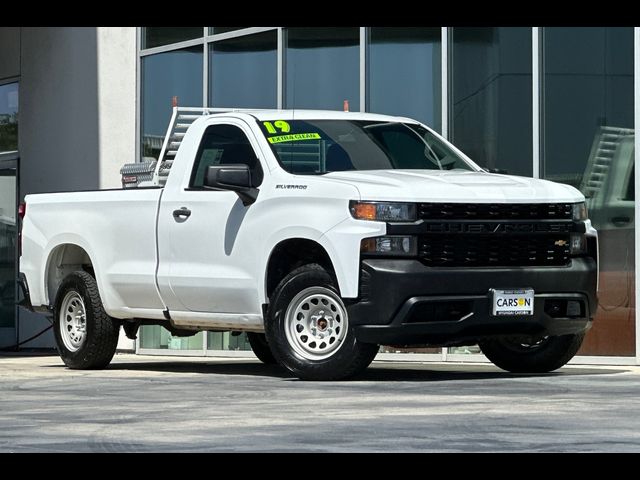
116, 101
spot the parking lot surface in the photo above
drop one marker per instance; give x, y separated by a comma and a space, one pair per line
145, 403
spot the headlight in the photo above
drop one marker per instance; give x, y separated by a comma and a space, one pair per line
383, 211
579, 212
392, 245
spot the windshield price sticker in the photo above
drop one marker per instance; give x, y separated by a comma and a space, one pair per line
294, 137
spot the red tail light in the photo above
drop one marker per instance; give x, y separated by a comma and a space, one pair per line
22, 210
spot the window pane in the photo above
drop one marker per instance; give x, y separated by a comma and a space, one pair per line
589, 143
224, 145
322, 67
8, 117
216, 30
8, 236
165, 75
404, 75
243, 72
157, 36
491, 113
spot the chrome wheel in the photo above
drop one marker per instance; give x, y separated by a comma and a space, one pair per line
316, 323
73, 321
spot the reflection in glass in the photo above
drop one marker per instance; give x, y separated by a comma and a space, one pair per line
243, 72
8, 236
216, 30
157, 36
157, 337
589, 143
8, 232
322, 66
165, 75
404, 76
8, 117
227, 341
491, 112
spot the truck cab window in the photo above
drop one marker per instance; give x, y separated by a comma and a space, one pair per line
224, 145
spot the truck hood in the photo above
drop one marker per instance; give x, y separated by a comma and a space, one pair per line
454, 186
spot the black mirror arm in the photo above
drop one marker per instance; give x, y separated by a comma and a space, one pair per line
248, 196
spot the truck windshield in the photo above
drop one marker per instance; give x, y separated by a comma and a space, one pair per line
321, 146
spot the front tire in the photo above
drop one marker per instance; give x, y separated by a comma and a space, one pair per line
527, 356
260, 347
308, 328
86, 336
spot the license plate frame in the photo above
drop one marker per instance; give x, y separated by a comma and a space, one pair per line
502, 302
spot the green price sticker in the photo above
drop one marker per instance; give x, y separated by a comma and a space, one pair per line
281, 125
294, 137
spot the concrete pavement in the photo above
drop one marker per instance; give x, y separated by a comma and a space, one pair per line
143, 403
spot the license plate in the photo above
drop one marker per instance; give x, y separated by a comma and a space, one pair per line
512, 302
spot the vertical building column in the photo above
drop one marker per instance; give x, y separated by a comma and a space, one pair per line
444, 72
280, 68
138, 106
636, 96
363, 69
444, 103
535, 83
205, 68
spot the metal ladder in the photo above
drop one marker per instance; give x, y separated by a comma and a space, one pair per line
605, 144
181, 120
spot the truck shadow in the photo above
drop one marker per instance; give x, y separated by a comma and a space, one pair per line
401, 372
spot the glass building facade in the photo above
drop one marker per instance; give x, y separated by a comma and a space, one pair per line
555, 103
8, 209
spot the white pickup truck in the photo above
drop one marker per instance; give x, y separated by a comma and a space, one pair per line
323, 235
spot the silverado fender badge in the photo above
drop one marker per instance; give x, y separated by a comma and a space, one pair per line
291, 187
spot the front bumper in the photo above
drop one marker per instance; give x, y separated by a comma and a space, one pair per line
403, 302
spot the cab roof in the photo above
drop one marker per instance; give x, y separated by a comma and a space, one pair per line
297, 114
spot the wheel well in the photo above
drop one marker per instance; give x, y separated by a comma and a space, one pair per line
63, 260
291, 254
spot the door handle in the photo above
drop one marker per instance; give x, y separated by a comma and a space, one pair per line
183, 212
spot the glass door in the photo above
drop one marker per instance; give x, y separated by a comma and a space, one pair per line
8, 257
8, 208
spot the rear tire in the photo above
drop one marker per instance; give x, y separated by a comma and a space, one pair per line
308, 328
260, 347
521, 356
86, 336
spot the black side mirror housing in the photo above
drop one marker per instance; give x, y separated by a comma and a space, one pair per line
236, 178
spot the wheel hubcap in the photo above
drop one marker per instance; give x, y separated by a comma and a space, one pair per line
73, 321
316, 323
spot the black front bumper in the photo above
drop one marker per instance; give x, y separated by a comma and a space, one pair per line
403, 302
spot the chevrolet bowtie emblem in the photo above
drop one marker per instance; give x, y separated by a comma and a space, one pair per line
560, 243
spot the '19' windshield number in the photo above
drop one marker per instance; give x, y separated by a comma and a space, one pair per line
283, 126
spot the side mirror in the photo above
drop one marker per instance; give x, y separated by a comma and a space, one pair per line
236, 178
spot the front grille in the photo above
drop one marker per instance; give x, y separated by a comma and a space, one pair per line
495, 211
489, 250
